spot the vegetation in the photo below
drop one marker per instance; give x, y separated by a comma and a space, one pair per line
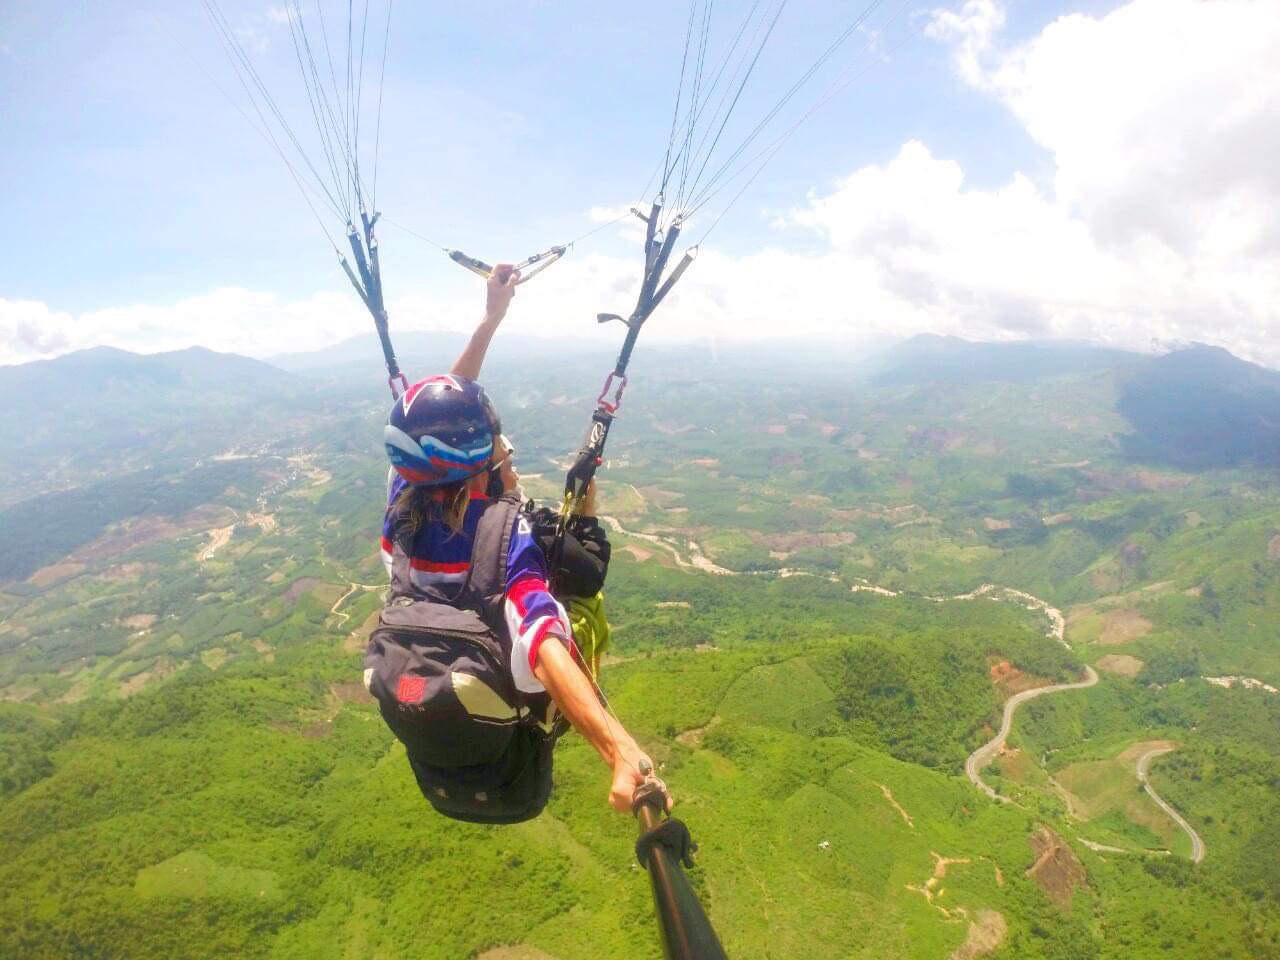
191, 767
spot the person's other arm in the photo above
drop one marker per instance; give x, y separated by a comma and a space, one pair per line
569, 687
543, 658
499, 290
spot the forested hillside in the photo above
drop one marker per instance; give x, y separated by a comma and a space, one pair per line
193, 769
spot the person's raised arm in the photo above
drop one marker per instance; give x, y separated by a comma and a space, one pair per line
499, 289
573, 694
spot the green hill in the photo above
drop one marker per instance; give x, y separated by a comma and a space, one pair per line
191, 767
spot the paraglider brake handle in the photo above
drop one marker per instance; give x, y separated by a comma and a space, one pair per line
399, 385
611, 406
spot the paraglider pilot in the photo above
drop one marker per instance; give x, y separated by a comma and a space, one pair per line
473, 661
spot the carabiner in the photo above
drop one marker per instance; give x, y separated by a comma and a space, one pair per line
611, 406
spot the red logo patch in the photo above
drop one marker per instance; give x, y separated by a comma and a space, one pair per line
411, 689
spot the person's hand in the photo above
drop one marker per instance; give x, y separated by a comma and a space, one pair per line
499, 289
627, 778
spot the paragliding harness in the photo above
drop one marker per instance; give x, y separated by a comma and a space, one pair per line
440, 669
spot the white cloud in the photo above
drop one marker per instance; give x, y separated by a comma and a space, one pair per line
229, 319
971, 30
1159, 222
1162, 119
607, 214
29, 330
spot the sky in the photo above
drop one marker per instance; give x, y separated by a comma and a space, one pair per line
991, 169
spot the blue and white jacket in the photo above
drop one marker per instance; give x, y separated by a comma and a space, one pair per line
440, 558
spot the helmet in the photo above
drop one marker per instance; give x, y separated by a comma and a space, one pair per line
441, 430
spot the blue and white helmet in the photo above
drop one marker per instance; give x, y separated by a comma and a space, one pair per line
441, 430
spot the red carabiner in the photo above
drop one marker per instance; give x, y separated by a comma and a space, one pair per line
611, 406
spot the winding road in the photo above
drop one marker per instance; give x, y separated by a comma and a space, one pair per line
987, 752
355, 587
1144, 762
982, 757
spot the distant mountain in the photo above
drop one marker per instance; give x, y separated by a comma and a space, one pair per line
105, 411
87, 373
422, 352
1203, 407
929, 358
588, 357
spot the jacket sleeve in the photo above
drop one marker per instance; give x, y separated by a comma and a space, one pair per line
395, 485
531, 612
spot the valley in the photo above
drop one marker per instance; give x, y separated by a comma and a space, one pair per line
841, 600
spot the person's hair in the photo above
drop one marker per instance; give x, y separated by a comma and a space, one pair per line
418, 506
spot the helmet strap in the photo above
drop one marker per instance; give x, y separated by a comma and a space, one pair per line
493, 488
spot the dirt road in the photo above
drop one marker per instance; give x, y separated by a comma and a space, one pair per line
355, 587
1144, 762
987, 752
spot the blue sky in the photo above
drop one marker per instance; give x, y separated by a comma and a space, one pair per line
135, 180
1073, 188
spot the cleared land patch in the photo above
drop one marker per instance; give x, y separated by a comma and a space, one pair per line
986, 932
1016, 765
1120, 664
193, 875
48, 576
1123, 626
1010, 680
214, 657
299, 587
802, 540
1056, 870
218, 539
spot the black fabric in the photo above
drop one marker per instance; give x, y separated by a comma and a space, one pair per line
673, 836
480, 749
524, 774
585, 561
413, 656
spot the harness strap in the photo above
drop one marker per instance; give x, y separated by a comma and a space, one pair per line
486, 582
